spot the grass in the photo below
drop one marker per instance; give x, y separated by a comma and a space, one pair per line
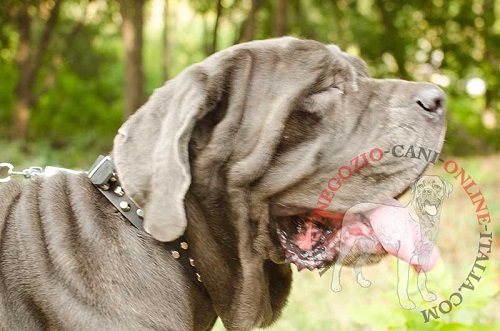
313, 306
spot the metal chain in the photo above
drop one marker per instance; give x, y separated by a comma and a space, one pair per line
7, 170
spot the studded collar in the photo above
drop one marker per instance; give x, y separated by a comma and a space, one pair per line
104, 177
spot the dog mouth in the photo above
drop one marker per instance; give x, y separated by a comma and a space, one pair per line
314, 240
311, 240
431, 206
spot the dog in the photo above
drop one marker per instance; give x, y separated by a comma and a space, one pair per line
415, 229
231, 154
429, 193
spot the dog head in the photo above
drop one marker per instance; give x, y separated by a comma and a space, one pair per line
238, 148
429, 193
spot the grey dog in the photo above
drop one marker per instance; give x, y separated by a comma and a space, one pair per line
231, 154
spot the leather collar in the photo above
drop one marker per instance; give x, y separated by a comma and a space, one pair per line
104, 177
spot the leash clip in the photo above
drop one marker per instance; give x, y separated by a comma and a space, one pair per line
7, 171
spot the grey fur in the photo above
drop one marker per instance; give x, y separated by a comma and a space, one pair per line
253, 124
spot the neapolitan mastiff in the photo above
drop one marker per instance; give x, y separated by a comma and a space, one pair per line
233, 151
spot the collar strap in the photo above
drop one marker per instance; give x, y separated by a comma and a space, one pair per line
103, 175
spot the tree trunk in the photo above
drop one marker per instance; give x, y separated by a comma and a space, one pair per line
132, 23
492, 57
23, 95
247, 31
390, 40
213, 46
29, 59
206, 34
165, 42
280, 18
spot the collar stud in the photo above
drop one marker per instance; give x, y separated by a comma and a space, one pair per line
104, 177
125, 206
119, 191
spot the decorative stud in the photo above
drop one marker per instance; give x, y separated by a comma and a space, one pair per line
140, 213
191, 262
198, 277
184, 245
113, 178
125, 206
119, 191
176, 254
104, 187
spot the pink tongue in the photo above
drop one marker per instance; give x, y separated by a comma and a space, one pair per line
400, 235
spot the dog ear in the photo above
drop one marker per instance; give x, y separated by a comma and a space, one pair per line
448, 188
413, 187
171, 170
151, 150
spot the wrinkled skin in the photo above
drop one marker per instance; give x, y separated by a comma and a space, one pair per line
258, 124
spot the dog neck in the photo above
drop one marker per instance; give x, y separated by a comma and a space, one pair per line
104, 177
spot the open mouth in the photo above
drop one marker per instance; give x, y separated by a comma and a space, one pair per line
431, 207
311, 240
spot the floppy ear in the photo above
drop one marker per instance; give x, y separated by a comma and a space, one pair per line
171, 171
448, 188
413, 187
151, 150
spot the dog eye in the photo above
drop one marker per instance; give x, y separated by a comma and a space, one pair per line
437, 187
339, 86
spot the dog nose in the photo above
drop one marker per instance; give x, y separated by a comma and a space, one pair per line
431, 99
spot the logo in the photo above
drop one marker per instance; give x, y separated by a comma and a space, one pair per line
409, 232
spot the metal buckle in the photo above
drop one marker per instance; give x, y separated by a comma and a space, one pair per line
102, 171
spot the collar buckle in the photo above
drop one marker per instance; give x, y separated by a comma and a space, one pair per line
102, 171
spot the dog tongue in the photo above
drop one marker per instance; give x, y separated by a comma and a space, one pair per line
400, 235
430, 209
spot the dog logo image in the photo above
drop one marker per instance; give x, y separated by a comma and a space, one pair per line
407, 232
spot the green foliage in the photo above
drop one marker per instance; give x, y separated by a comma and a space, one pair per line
78, 90
457, 39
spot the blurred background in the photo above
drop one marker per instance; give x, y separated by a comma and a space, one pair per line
72, 71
